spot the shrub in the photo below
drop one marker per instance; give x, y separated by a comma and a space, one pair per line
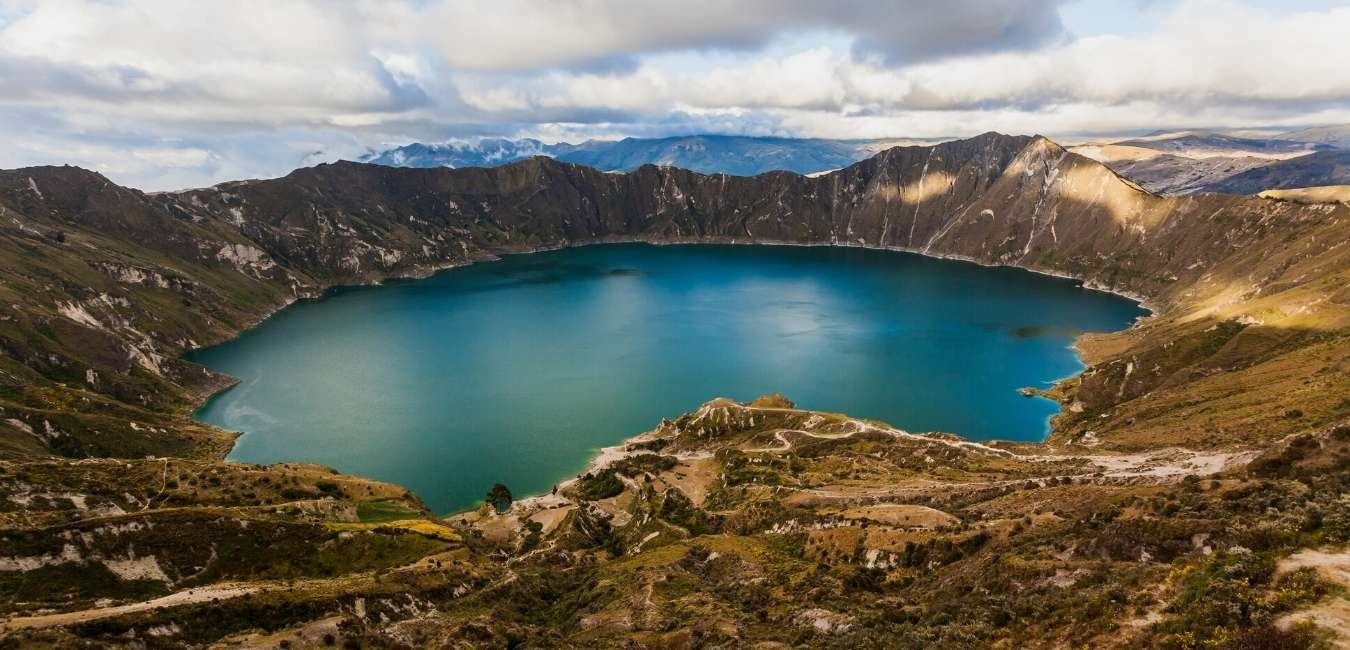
499, 497
600, 486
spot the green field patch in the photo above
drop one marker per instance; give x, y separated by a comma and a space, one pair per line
374, 512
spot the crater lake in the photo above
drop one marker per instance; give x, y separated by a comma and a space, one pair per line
516, 371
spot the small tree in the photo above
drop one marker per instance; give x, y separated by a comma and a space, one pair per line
499, 497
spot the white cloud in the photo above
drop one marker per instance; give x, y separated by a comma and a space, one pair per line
157, 92
514, 34
116, 160
1194, 61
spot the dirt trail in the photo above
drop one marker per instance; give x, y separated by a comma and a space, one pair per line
786, 445
1333, 613
163, 485
196, 595
1159, 464
186, 597
1164, 463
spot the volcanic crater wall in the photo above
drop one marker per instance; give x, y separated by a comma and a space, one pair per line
104, 286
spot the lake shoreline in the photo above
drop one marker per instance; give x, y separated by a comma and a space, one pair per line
426, 273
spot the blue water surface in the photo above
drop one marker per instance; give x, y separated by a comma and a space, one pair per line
516, 371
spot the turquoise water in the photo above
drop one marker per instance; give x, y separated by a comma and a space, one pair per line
516, 371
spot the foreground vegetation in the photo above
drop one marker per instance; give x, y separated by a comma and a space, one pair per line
732, 525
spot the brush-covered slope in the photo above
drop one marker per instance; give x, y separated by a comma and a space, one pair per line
731, 526
104, 286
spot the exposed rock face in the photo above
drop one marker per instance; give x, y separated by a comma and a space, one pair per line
104, 278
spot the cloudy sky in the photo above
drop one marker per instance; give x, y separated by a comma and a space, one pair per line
163, 94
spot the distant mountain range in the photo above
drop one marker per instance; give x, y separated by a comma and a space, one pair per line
1183, 162
708, 154
1319, 169
1190, 162
1336, 136
1204, 144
